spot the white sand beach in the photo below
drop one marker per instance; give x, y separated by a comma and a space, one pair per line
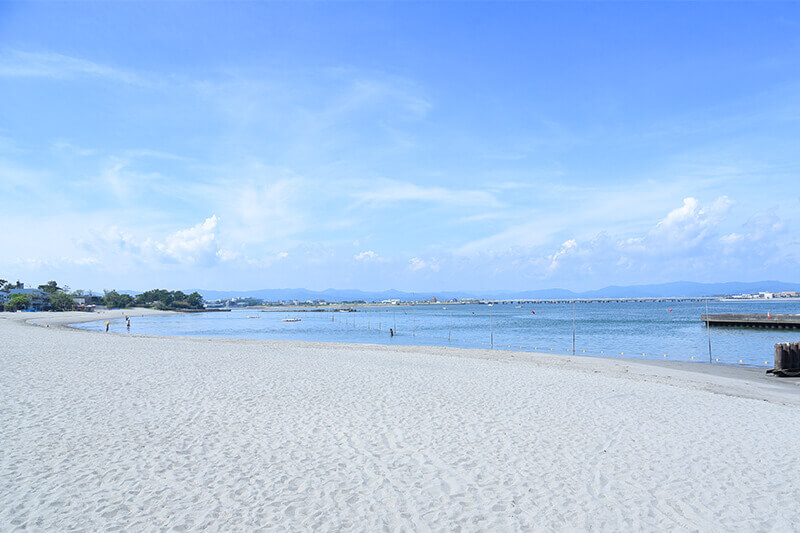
111, 431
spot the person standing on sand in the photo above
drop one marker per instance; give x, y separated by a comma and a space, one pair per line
108, 323
391, 332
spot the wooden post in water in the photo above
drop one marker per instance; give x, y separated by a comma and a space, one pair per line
787, 360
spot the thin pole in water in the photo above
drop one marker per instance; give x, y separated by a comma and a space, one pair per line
708, 328
394, 320
491, 329
450, 331
379, 320
573, 327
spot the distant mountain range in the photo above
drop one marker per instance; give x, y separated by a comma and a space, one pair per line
661, 290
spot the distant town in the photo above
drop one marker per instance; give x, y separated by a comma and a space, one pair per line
766, 295
16, 296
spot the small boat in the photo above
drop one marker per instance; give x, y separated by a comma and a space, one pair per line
291, 320
253, 316
444, 308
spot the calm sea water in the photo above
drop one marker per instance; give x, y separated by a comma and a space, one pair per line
620, 329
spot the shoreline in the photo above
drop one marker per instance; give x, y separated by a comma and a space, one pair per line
733, 380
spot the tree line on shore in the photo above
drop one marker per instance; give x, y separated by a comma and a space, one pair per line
155, 298
62, 299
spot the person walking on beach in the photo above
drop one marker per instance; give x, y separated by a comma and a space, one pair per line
108, 323
391, 332
128, 322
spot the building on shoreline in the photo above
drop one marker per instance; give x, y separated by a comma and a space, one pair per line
39, 299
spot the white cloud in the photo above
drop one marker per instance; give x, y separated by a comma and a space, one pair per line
566, 249
415, 263
367, 255
391, 191
197, 244
689, 238
684, 228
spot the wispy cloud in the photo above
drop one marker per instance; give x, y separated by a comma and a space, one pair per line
23, 64
390, 191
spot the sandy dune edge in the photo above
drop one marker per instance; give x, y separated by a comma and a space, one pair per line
102, 430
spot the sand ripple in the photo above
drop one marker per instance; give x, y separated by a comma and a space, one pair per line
105, 432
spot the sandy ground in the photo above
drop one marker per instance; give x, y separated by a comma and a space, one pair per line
104, 431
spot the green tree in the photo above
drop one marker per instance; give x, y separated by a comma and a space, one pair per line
61, 301
195, 300
17, 302
154, 296
164, 299
51, 287
3, 284
115, 300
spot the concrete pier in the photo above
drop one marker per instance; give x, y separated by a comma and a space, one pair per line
752, 320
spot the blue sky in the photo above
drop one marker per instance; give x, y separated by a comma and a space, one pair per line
440, 146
